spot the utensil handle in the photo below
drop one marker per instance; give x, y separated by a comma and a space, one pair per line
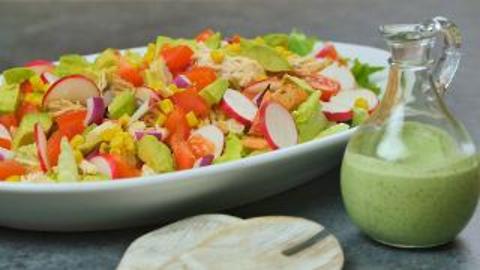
447, 64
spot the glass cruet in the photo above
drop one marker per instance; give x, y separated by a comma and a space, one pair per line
409, 176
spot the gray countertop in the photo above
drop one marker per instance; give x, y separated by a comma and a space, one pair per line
44, 30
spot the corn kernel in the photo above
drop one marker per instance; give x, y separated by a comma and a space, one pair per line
172, 87
160, 119
103, 148
13, 178
124, 120
150, 54
361, 103
76, 141
166, 106
34, 98
217, 56
38, 84
78, 156
235, 48
192, 119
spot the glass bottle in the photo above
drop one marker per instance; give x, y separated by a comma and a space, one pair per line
410, 174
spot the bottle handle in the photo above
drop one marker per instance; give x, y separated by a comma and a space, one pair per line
447, 64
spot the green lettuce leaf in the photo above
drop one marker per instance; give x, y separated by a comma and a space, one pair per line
300, 43
276, 40
309, 119
268, 57
213, 42
233, 149
362, 73
17, 75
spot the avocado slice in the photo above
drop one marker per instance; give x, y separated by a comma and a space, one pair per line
298, 82
155, 154
67, 166
214, 92
24, 134
10, 97
122, 104
268, 57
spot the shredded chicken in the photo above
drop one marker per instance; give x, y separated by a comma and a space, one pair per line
241, 71
118, 85
60, 106
304, 66
36, 177
87, 167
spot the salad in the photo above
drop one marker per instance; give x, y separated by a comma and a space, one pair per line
179, 104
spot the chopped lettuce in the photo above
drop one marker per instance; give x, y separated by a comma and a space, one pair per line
233, 149
71, 64
268, 57
17, 75
27, 155
214, 92
359, 116
300, 44
67, 166
276, 40
107, 59
155, 154
157, 76
133, 58
213, 42
362, 73
309, 119
122, 104
9, 98
340, 127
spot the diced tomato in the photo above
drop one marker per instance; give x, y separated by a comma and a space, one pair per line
328, 51
177, 123
26, 87
9, 120
201, 76
201, 146
124, 170
177, 58
184, 157
234, 39
130, 73
71, 123
204, 35
190, 100
53, 147
10, 168
26, 108
6, 144
328, 86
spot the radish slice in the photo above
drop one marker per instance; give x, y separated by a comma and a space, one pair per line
341, 74
40, 66
238, 106
278, 126
258, 87
74, 88
105, 165
143, 93
213, 134
182, 81
6, 154
95, 111
41, 143
159, 133
337, 112
340, 107
48, 77
204, 161
4, 133
141, 111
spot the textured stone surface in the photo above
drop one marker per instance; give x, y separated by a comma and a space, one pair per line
41, 29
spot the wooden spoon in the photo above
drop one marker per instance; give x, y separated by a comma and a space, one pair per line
264, 243
158, 247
